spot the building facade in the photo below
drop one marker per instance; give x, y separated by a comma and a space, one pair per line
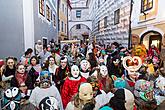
63, 13
79, 25
148, 22
23, 22
110, 20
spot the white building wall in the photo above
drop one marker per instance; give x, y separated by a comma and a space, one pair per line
84, 14
28, 24
112, 33
155, 20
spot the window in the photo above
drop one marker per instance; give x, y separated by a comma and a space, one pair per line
146, 5
41, 7
63, 7
105, 22
78, 13
65, 11
54, 20
59, 25
51, 14
48, 13
98, 3
117, 16
78, 26
65, 28
98, 25
62, 26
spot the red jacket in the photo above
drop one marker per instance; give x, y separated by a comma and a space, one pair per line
69, 89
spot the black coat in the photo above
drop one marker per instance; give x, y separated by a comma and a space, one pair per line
28, 82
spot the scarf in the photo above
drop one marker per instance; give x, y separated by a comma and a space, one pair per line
21, 78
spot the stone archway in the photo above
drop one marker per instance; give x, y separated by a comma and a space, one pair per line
81, 34
88, 23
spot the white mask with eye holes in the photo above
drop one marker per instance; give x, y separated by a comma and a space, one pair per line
84, 65
103, 71
75, 71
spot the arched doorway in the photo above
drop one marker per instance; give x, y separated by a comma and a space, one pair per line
151, 37
80, 32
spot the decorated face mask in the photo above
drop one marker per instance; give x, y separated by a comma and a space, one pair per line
85, 92
144, 90
21, 69
84, 65
45, 79
116, 62
48, 103
12, 98
75, 71
103, 70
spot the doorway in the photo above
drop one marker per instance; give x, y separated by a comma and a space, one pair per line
156, 40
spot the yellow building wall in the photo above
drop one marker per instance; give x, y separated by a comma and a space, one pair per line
151, 13
63, 17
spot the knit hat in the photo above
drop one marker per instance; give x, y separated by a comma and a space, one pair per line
106, 108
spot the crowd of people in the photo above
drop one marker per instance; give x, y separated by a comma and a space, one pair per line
83, 77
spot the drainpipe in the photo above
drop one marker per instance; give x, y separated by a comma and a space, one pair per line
67, 20
130, 29
58, 6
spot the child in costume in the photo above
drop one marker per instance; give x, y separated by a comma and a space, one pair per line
34, 68
45, 89
61, 73
8, 71
70, 87
104, 78
23, 81
52, 67
132, 65
83, 97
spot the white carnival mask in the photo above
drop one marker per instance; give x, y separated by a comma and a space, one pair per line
103, 70
85, 92
132, 64
75, 71
84, 65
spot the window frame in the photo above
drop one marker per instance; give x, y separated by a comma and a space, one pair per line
48, 12
105, 21
54, 20
41, 7
78, 13
78, 26
117, 16
62, 26
147, 5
